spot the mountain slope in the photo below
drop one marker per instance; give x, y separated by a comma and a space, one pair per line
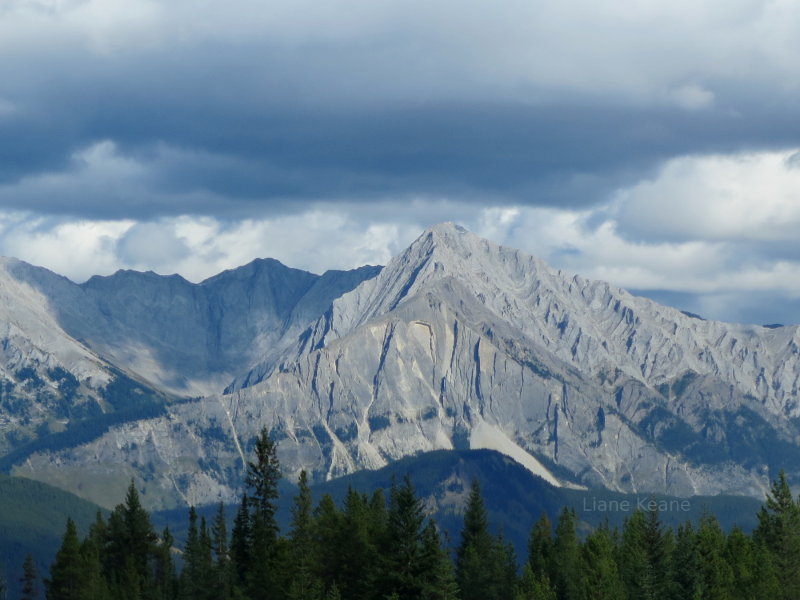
184, 338
460, 343
77, 359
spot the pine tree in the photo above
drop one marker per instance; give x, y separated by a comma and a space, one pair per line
326, 530
356, 553
191, 576
602, 577
141, 537
502, 568
716, 576
29, 579
304, 584
378, 515
207, 579
686, 565
754, 577
645, 557
540, 546
473, 555
534, 586
262, 479
222, 576
66, 573
240, 544
779, 531
93, 585
566, 558
438, 577
165, 580
402, 561
129, 548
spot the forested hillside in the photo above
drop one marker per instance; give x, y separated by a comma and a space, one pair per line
382, 546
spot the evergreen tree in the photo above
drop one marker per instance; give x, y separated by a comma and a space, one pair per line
402, 561
141, 537
377, 515
191, 576
535, 586
754, 576
540, 546
240, 544
438, 577
357, 553
502, 568
716, 577
29, 579
262, 479
222, 575
165, 580
566, 558
207, 578
304, 583
602, 577
326, 530
129, 548
779, 531
93, 585
767, 580
66, 573
686, 579
645, 557
472, 554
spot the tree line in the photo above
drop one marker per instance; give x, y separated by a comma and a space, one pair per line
383, 547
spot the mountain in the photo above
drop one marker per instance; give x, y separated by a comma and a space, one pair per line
461, 343
183, 338
79, 358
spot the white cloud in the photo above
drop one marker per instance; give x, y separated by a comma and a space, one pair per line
199, 247
720, 228
754, 196
77, 249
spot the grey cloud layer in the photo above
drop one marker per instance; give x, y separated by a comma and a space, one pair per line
225, 108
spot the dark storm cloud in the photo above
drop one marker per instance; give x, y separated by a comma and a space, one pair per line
238, 121
239, 159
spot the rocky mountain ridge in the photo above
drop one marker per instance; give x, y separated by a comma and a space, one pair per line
460, 343
74, 353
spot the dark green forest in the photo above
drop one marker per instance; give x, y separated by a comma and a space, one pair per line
383, 547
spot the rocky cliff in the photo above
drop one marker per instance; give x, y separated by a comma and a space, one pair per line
462, 343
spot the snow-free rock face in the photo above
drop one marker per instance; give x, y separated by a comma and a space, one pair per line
73, 354
183, 338
45, 375
462, 343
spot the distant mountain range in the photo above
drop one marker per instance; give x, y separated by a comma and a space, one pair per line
457, 343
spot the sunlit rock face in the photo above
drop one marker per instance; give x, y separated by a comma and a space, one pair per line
461, 343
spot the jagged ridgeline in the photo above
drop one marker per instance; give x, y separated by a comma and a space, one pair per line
456, 344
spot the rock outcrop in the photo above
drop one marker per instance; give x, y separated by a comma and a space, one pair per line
461, 343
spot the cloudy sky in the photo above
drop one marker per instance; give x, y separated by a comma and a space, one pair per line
652, 144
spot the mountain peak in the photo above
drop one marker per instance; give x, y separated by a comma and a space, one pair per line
447, 229
448, 235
